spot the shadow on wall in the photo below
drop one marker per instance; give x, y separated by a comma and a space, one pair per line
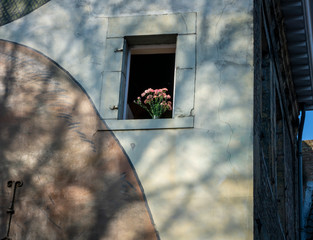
78, 183
49, 138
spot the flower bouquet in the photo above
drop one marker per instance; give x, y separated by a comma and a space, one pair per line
155, 102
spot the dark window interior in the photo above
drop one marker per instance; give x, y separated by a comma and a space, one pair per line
149, 71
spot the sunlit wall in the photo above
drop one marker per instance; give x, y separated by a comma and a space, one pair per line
197, 181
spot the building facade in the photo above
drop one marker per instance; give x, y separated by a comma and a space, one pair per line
308, 187
222, 164
283, 89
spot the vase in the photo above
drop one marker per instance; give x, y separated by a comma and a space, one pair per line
155, 117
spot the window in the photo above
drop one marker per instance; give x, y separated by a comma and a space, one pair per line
159, 53
148, 66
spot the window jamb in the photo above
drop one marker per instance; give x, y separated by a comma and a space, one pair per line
126, 84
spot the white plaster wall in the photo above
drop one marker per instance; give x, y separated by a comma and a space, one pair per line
198, 181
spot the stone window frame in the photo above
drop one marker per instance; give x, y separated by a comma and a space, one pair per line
183, 25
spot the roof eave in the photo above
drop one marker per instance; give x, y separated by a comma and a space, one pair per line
298, 16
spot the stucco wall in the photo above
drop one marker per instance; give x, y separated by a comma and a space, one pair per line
198, 182
76, 184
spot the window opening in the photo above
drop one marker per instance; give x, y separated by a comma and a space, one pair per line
149, 66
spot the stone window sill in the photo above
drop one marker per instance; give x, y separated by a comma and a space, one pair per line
149, 124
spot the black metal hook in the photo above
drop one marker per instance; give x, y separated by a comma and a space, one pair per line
11, 208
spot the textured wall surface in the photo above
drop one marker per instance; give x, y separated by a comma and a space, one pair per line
198, 181
276, 197
78, 183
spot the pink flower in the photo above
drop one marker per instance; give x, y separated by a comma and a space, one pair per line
156, 101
